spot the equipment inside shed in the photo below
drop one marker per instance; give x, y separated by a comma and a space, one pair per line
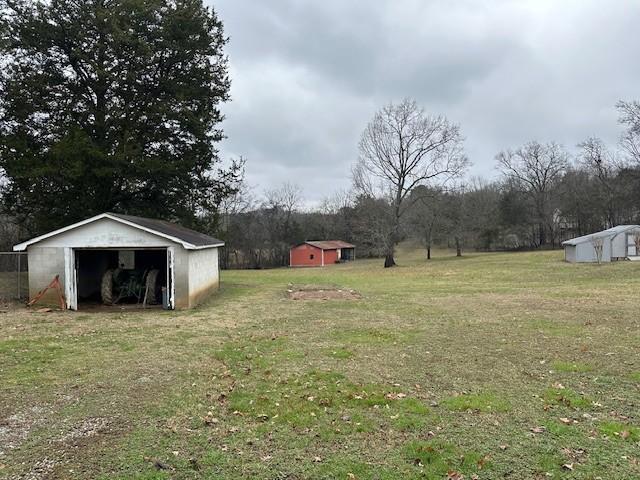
116, 277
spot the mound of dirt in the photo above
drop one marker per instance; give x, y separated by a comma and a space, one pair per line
321, 292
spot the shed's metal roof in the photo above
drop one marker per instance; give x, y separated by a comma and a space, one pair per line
610, 232
192, 237
189, 239
330, 244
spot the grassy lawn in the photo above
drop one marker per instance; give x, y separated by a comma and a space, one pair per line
490, 366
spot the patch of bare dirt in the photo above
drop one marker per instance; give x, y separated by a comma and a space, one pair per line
10, 306
321, 292
15, 429
87, 428
39, 471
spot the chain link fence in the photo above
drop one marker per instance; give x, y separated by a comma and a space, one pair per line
14, 276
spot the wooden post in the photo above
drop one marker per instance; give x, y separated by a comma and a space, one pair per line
19, 275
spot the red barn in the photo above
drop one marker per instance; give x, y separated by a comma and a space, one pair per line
321, 253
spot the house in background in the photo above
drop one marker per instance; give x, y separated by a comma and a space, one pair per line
88, 255
617, 243
321, 253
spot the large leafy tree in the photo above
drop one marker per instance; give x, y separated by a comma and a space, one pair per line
111, 105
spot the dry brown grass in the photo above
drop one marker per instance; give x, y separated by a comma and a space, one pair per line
495, 365
321, 292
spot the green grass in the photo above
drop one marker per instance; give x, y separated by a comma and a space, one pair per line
435, 459
340, 353
494, 365
567, 398
575, 367
479, 402
620, 430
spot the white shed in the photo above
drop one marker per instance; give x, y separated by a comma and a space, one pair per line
618, 243
120, 251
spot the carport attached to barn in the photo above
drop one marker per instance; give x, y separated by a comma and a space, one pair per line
318, 253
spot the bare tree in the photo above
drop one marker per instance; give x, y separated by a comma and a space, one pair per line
426, 215
629, 116
456, 212
287, 197
601, 163
337, 202
335, 211
598, 247
537, 168
402, 148
232, 209
371, 224
279, 207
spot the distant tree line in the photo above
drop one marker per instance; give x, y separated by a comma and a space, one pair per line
117, 108
544, 195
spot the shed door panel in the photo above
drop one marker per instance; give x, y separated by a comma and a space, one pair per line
71, 278
171, 284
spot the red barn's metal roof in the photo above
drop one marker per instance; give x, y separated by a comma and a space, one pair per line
330, 244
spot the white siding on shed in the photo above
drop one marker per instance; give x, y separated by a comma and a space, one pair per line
587, 254
105, 233
570, 253
203, 273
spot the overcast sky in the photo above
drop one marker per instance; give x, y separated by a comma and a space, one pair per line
308, 75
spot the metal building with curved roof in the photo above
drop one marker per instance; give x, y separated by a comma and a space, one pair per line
618, 243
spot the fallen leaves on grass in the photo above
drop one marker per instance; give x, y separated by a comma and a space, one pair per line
319, 292
210, 420
160, 465
395, 396
538, 429
574, 455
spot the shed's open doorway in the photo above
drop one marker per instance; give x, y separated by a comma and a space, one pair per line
121, 277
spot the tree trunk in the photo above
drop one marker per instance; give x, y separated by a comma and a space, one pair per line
542, 234
458, 248
389, 261
429, 252
393, 238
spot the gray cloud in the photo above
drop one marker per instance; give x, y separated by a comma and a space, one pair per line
307, 76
